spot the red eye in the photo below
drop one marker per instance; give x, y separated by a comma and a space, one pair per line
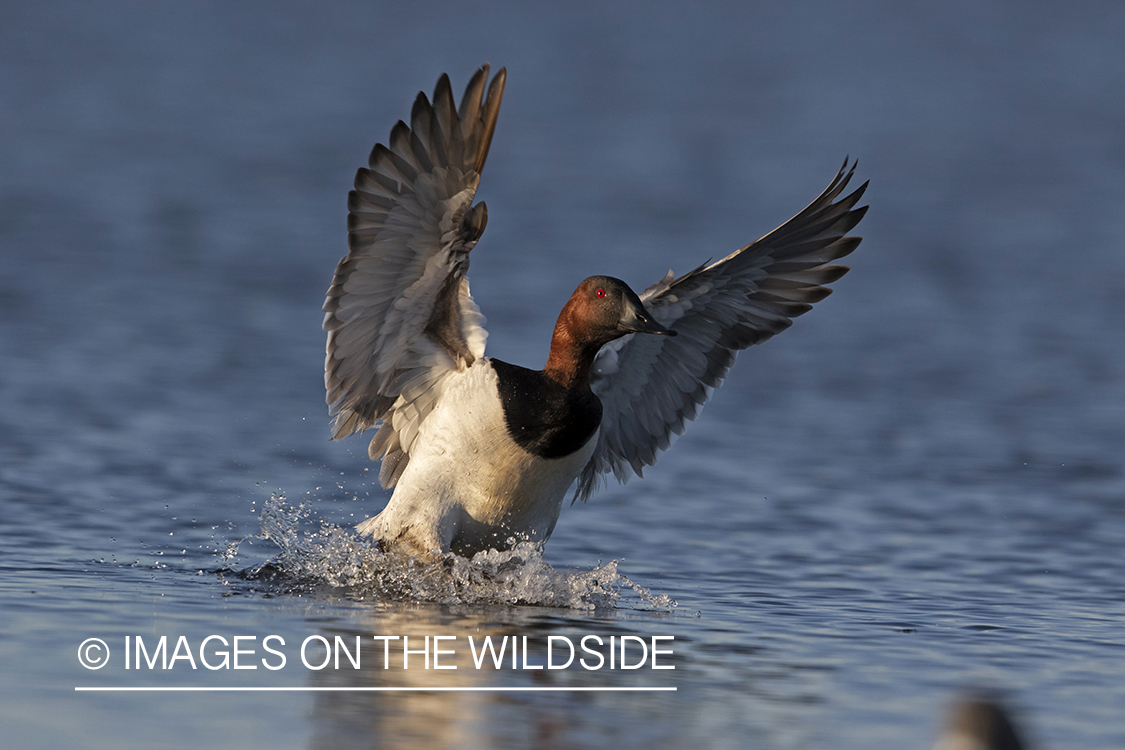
600, 293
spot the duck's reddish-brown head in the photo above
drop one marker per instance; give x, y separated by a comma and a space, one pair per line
601, 309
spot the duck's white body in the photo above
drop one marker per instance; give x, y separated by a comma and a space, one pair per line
479, 451
468, 485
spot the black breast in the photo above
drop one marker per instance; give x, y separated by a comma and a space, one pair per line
543, 417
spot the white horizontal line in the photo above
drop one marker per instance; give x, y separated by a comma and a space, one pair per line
185, 689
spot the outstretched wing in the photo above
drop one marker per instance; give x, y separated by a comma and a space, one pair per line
398, 314
650, 385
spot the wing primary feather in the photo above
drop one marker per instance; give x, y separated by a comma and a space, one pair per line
490, 113
471, 101
425, 165
446, 125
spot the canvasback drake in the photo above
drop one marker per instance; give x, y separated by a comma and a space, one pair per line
480, 452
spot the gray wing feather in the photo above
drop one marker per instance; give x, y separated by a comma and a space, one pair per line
650, 386
399, 315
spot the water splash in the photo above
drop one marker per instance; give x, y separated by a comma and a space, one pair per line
334, 557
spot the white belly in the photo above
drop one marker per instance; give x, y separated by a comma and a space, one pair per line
468, 485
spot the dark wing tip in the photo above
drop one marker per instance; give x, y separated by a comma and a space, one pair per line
491, 111
443, 86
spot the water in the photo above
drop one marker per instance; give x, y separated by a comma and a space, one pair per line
916, 491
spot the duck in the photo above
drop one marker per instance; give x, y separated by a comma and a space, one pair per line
480, 453
980, 722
